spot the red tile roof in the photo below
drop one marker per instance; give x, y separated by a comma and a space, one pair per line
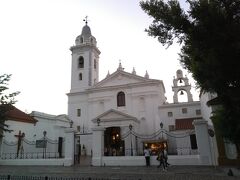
15, 114
185, 123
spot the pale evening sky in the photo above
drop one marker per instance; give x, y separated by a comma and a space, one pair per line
35, 37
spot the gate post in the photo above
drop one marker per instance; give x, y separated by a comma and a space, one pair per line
203, 143
98, 145
1, 145
69, 146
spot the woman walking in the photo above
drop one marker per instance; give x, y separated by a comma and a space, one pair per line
161, 160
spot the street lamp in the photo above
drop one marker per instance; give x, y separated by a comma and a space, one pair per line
98, 121
161, 125
44, 144
71, 123
130, 128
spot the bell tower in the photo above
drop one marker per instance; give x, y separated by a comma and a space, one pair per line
181, 84
85, 61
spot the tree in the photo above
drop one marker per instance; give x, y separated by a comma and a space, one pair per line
6, 100
209, 34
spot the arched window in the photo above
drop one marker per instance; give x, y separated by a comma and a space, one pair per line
80, 76
81, 40
81, 62
120, 99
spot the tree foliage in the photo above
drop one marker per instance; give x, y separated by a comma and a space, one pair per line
209, 32
6, 100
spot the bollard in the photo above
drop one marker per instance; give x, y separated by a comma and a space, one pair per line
9, 177
46, 178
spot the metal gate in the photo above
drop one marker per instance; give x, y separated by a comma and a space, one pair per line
39, 149
175, 142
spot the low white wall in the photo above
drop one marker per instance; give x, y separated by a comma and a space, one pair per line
140, 160
184, 160
37, 162
107, 161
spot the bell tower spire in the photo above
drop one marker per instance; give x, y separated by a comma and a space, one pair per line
85, 60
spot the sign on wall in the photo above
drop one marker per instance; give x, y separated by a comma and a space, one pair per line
41, 143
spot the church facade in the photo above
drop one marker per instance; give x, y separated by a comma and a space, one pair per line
112, 120
131, 109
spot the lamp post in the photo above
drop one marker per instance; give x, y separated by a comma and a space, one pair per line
161, 126
130, 128
44, 144
71, 124
98, 122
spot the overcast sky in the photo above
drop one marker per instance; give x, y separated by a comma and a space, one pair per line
35, 37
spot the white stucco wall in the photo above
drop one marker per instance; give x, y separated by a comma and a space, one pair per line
176, 110
53, 125
206, 110
206, 114
142, 102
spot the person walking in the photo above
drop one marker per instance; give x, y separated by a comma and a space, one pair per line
165, 155
147, 156
161, 160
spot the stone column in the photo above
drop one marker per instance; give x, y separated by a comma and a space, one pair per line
98, 145
203, 142
69, 146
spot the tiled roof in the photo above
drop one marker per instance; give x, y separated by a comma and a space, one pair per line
15, 114
185, 123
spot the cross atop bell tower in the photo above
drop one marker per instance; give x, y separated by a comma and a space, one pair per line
86, 20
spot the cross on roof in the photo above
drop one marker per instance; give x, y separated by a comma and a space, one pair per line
86, 20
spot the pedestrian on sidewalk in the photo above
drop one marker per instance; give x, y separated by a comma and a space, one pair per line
147, 156
165, 155
161, 160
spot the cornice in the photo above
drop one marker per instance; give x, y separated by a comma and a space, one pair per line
87, 45
180, 104
123, 86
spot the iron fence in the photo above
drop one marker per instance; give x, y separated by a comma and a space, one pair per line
178, 143
14, 177
25, 149
31, 155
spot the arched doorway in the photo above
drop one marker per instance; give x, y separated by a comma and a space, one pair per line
113, 144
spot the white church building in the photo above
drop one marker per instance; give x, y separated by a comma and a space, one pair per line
113, 120
124, 113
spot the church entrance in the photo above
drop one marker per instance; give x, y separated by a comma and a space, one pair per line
156, 146
113, 144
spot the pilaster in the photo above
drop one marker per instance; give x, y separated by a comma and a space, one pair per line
203, 142
98, 145
69, 145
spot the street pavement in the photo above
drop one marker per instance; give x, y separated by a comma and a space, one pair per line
126, 173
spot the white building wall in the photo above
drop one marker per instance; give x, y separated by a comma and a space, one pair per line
35, 132
206, 110
176, 110
206, 114
53, 125
94, 103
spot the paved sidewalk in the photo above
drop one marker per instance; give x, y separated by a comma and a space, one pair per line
133, 173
